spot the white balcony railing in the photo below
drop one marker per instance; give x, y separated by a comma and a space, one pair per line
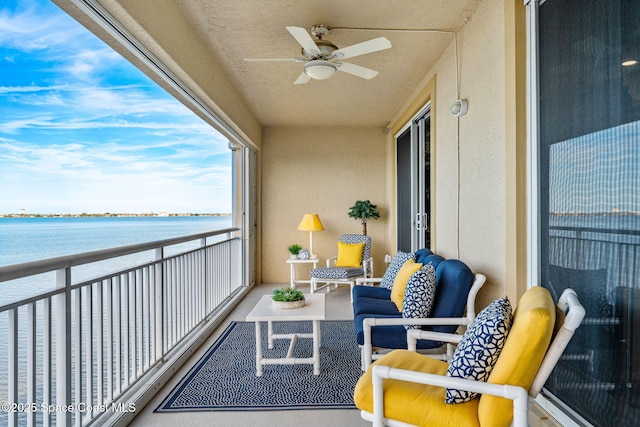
71, 353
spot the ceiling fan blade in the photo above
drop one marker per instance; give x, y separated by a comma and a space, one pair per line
305, 40
302, 79
275, 60
363, 48
356, 70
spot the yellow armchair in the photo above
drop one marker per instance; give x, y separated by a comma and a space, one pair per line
405, 388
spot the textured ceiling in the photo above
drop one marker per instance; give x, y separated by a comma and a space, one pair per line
235, 30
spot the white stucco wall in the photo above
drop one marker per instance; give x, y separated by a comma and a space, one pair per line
469, 153
482, 136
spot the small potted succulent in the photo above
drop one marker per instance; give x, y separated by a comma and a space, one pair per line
285, 298
294, 250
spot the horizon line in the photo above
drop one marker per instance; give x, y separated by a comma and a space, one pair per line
111, 214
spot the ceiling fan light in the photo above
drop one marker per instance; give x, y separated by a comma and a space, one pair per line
320, 69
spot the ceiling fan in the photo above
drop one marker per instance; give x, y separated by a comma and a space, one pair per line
322, 58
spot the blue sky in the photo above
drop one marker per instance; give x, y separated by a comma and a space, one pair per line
82, 130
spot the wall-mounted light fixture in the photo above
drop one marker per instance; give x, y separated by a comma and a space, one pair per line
459, 108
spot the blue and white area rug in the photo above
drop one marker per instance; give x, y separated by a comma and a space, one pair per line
225, 378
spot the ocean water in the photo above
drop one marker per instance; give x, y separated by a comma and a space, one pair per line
32, 239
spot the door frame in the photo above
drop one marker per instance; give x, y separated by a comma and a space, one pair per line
420, 206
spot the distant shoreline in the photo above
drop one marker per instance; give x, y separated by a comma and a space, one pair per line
109, 215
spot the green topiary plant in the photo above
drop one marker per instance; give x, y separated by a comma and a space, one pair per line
294, 249
364, 210
287, 295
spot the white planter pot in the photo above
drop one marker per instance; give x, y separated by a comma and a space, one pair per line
286, 305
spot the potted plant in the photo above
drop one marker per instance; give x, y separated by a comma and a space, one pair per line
363, 210
285, 298
294, 250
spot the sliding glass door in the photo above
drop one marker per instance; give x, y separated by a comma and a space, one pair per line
413, 180
588, 188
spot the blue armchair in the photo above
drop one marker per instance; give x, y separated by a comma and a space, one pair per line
380, 325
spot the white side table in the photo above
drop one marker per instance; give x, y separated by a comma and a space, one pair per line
314, 310
292, 264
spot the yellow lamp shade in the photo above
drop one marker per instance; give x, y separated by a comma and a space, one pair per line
310, 222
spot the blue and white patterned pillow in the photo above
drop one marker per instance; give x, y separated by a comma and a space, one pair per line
480, 347
419, 295
394, 266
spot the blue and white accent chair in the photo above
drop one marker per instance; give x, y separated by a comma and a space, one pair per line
347, 265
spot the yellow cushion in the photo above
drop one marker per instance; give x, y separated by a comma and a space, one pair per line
401, 280
416, 404
522, 354
349, 254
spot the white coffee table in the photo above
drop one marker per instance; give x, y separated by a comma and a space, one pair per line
313, 311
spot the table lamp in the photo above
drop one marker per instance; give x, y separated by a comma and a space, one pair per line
311, 222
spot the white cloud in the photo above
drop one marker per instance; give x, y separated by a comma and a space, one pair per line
27, 89
89, 63
114, 177
87, 107
33, 29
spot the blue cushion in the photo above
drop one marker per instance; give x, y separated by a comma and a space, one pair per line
374, 306
396, 263
479, 348
433, 259
371, 292
421, 254
453, 282
389, 336
419, 295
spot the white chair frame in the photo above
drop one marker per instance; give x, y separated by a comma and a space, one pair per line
522, 399
367, 268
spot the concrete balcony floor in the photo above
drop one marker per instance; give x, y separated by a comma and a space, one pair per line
338, 307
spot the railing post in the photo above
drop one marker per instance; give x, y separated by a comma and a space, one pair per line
159, 303
234, 253
63, 345
205, 270
12, 371
31, 361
